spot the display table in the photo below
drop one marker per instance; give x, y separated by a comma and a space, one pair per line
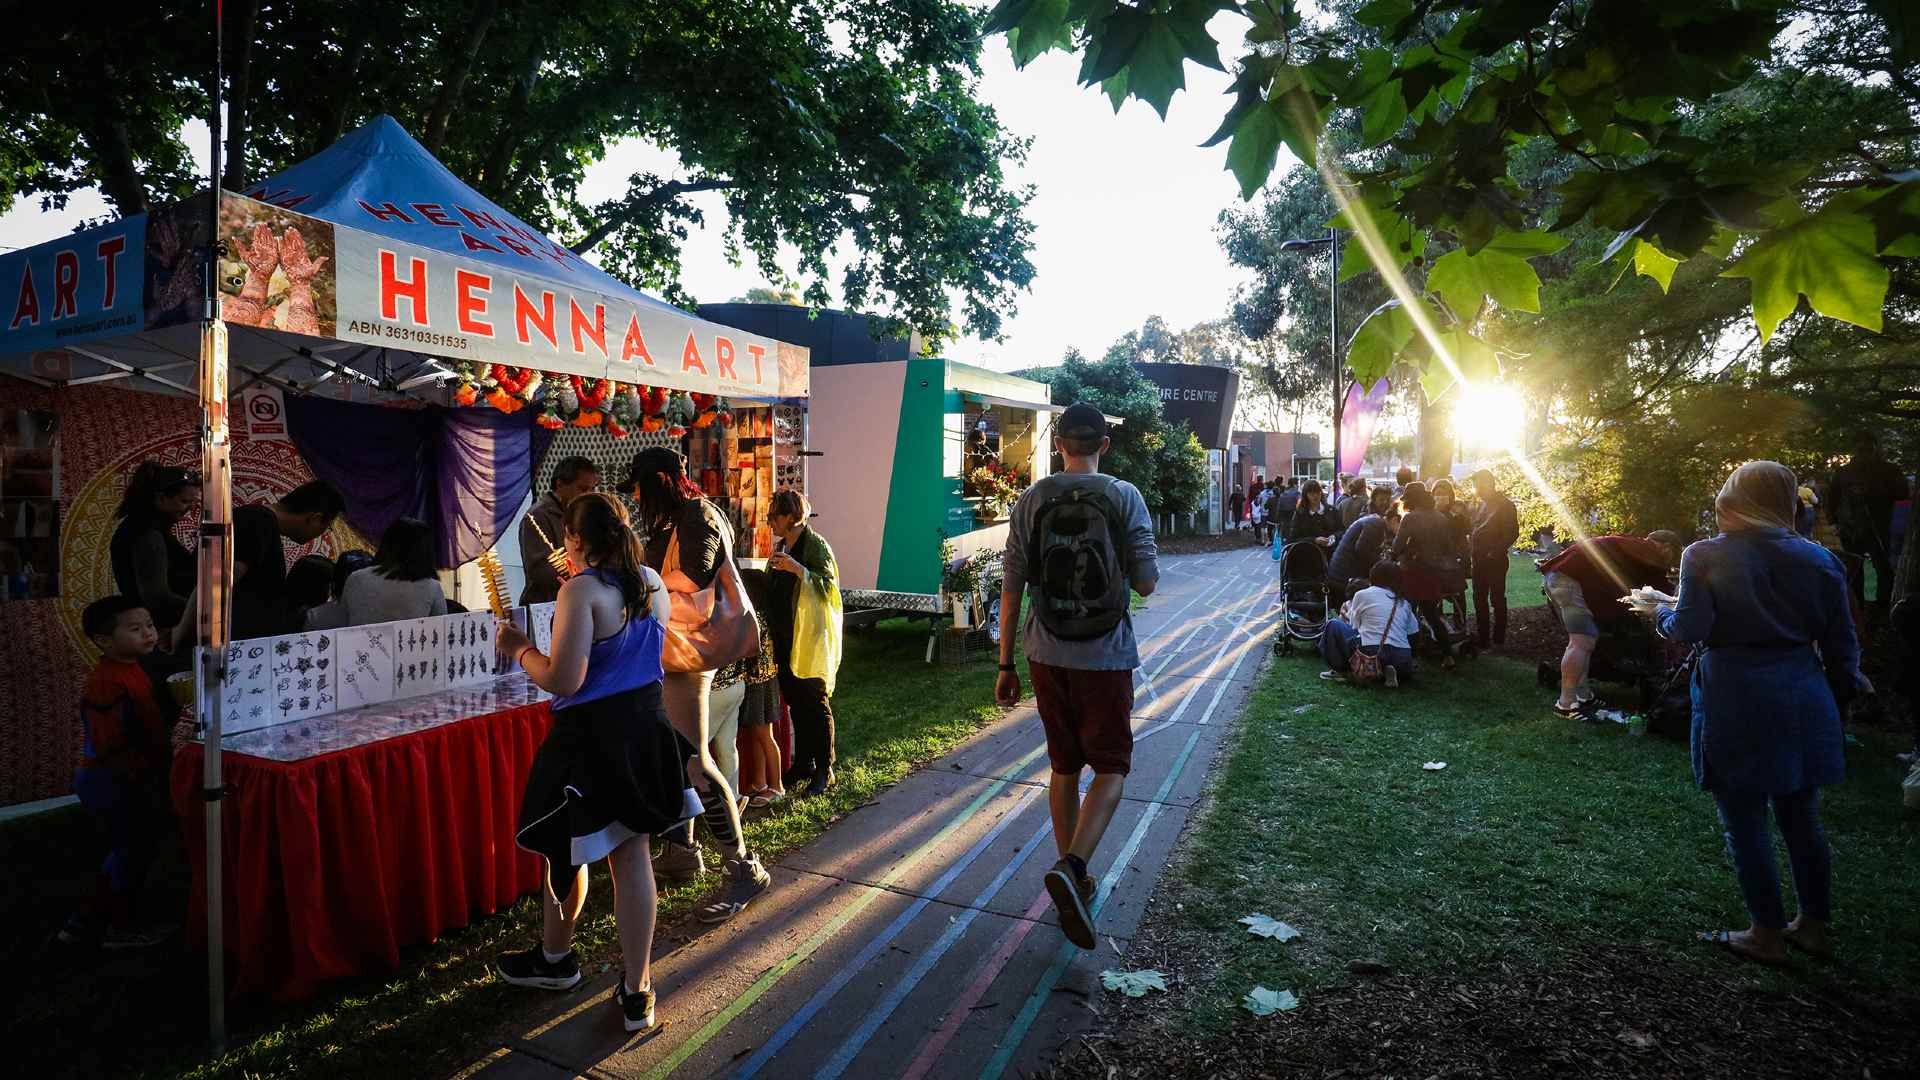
350, 836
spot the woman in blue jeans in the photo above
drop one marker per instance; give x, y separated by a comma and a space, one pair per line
1378, 620
1781, 660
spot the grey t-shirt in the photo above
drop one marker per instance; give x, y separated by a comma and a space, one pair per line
1116, 650
372, 597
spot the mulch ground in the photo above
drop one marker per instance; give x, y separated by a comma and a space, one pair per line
1618, 1013
1203, 545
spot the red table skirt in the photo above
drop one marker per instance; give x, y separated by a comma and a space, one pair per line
335, 863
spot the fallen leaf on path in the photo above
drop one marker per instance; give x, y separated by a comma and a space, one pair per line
1261, 1001
1266, 926
1133, 983
1434, 766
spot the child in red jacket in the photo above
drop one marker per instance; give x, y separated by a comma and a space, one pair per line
122, 770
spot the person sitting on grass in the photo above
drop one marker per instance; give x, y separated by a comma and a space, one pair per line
1379, 622
122, 776
1585, 582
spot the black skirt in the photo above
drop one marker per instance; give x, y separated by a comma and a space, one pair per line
610, 769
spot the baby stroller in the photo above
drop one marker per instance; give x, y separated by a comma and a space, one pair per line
1303, 595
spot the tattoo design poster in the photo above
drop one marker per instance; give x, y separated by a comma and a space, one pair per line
540, 618
363, 664
419, 656
246, 691
471, 653
302, 666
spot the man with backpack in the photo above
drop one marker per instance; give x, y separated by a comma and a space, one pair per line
1078, 541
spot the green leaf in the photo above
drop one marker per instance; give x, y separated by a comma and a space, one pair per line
1378, 342
1041, 26
1261, 1001
1474, 361
1381, 14
1382, 113
1268, 927
1403, 240
1154, 71
1499, 270
1896, 219
1650, 261
1133, 983
1256, 146
1827, 257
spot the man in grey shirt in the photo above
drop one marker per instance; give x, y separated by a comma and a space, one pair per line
1082, 687
540, 530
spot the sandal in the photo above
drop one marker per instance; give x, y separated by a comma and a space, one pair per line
1725, 939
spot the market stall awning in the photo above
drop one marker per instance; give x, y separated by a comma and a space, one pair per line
369, 260
1010, 403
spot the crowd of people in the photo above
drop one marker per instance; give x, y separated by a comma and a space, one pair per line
1771, 621
670, 664
1411, 547
670, 660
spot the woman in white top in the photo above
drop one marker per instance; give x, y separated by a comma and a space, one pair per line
1378, 620
400, 584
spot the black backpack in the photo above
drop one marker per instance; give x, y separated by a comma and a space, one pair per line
1077, 560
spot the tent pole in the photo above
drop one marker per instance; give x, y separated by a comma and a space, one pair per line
216, 561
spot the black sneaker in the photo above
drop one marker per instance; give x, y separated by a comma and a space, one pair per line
1075, 920
531, 968
746, 880
636, 1008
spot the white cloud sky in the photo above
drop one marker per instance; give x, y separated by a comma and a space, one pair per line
1123, 211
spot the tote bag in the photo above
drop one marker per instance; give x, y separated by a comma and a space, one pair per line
712, 627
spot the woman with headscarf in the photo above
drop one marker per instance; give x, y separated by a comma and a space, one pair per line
1781, 662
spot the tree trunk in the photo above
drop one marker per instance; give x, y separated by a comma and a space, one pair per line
119, 176
456, 78
1435, 443
493, 175
239, 92
348, 81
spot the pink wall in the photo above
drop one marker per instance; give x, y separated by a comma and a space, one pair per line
853, 420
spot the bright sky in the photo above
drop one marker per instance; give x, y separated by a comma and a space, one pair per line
1123, 211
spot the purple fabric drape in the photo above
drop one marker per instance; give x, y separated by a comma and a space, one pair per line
1357, 418
463, 471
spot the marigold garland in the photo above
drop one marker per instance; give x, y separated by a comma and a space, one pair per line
584, 402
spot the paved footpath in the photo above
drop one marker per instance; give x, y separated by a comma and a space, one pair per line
915, 939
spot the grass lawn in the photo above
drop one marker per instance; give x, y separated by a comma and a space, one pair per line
1541, 840
434, 1015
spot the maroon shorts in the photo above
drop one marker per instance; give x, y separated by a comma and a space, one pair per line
1088, 716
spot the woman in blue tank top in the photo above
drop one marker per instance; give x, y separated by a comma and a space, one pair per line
613, 771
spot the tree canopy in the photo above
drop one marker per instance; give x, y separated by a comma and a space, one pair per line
1165, 461
831, 127
1449, 95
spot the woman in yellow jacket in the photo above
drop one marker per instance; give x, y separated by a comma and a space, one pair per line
804, 614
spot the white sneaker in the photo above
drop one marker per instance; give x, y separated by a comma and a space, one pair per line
1910, 787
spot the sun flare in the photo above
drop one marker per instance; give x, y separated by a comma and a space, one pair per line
1490, 415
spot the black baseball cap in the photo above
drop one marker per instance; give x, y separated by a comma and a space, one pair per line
1081, 421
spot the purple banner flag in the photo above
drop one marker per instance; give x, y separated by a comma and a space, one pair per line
1357, 418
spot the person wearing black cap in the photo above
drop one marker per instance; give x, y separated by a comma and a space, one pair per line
690, 533
1077, 541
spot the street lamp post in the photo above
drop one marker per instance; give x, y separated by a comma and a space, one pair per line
1330, 241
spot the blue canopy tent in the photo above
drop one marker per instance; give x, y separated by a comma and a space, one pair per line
372, 264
